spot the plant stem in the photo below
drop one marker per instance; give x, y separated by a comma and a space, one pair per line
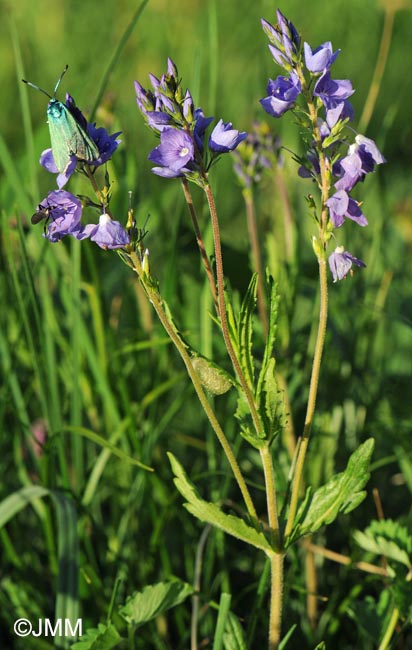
276, 591
209, 273
276, 598
276, 561
313, 388
256, 257
157, 303
222, 311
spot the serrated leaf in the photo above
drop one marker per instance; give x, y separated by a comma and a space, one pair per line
212, 514
341, 494
104, 637
387, 538
271, 404
153, 600
273, 302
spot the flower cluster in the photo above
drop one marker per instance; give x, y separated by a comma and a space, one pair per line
184, 150
63, 212
61, 209
308, 75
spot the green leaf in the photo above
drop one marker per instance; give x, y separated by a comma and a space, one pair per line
273, 302
155, 599
371, 616
233, 637
104, 637
212, 514
245, 331
12, 504
271, 403
388, 538
224, 608
103, 442
341, 494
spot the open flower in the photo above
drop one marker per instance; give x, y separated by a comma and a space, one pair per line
173, 154
362, 157
224, 138
321, 58
340, 263
282, 94
64, 211
342, 206
108, 233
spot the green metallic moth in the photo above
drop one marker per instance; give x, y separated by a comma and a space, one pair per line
67, 136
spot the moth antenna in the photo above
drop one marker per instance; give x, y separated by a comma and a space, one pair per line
59, 80
29, 83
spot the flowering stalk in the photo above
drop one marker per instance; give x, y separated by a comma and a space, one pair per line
157, 303
309, 75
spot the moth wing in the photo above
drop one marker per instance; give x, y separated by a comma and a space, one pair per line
68, 137
81, 145
59, 128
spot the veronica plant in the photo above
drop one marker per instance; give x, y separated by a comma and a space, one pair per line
189, 145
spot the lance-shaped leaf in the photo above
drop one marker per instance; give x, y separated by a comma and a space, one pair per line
212, 514
341, 494
245, 331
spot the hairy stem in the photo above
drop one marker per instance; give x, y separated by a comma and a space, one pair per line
276, 597
209, 273
157, 303
313, 389
222, 311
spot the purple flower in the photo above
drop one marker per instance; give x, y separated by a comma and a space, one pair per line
342, 206
108, 233
320, 59
282, 94
224, 138
175, 151
64, 212
47, 161
362, 157
332, 90
334, 94
340, 263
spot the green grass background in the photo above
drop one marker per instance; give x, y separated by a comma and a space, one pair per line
81, 352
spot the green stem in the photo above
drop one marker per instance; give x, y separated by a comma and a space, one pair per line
209, 273
313, 388
222, 310
157, 303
